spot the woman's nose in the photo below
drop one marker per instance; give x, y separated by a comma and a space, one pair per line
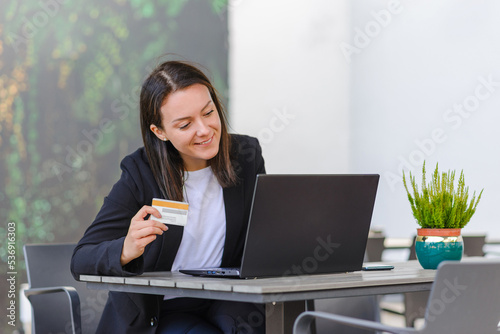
202, 129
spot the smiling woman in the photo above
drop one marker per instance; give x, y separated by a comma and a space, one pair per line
177, 106
192, 125
188, 156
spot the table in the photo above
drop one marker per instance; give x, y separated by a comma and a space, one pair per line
285, 297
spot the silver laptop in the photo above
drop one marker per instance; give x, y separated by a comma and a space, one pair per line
305, 224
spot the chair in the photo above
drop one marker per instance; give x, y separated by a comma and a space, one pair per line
414, 302
363, 307
59, 303
473, 245
465, 298
374, 248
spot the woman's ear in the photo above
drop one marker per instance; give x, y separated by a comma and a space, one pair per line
158, 132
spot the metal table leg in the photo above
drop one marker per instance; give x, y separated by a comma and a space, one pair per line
280, 316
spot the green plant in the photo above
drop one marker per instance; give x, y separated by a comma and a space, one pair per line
439, 205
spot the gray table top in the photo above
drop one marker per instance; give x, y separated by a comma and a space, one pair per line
405, 277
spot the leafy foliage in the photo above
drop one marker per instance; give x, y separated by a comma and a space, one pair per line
70, 77
439, 204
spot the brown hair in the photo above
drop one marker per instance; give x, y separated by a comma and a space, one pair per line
164, 159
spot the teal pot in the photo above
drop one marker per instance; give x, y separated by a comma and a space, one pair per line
434, 246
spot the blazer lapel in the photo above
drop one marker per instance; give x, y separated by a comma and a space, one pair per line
170, 242
234, 206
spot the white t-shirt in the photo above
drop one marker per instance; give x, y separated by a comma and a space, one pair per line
205, 232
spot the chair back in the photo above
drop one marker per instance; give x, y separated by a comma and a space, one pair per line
473, 245
465, 298
374, 248
48, 265
413, 253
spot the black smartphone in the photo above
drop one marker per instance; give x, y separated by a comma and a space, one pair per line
381, 267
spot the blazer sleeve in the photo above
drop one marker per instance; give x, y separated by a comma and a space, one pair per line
259, 159
99, 250
248, 162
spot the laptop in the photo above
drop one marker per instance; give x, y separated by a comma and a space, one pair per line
305, 224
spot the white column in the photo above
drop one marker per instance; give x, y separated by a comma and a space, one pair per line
289, 82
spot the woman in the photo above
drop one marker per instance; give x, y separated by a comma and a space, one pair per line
189, 156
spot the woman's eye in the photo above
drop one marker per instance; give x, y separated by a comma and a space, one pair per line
209, 113
182, 127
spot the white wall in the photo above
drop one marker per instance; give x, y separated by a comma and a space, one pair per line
405, 85
289, 84
373, 86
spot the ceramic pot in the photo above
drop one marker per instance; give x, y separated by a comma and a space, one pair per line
433, 246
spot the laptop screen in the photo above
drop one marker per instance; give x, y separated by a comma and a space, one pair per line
308, 224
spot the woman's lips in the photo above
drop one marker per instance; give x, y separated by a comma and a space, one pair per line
206, 142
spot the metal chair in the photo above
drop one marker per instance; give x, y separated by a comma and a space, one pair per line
59, 303
465, 298
414, 302
363, 307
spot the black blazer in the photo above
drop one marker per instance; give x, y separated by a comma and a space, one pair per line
99, 250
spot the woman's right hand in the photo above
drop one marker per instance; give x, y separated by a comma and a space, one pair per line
140, 233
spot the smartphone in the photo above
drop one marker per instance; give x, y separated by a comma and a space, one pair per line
382, 267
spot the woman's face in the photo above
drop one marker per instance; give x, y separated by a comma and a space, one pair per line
191, 122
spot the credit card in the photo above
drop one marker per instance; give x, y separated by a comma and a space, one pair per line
172, 212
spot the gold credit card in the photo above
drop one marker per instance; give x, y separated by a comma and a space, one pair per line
172, 212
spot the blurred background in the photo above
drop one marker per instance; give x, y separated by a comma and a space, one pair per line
70, 77
327, 87
373, 87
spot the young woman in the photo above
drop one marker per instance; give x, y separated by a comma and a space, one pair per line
188, 156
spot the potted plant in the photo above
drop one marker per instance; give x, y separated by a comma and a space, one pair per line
442, 211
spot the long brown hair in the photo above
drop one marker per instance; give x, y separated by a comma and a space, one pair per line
164, 159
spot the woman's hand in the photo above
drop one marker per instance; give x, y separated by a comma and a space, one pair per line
140, 233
